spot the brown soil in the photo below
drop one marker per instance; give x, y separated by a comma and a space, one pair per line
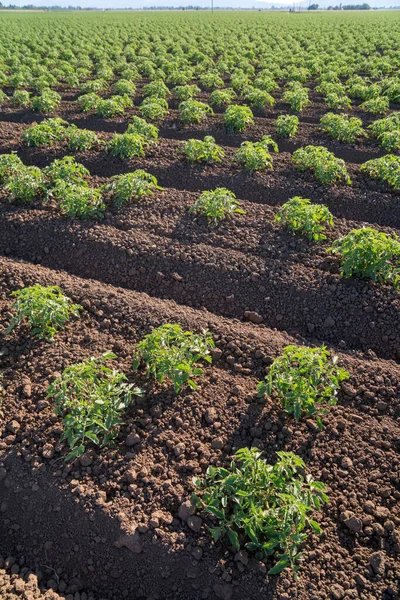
110, 526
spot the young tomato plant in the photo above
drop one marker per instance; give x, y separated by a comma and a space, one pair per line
9, 164
78, 200
377, 105
46, 133
81, 139
171, 352
47, 102
341, 127
185, 92
387, 131
300, 215
237, 118
154, 108
221, 97
66, 169
141, 127
132, 186
371, 254
194, 112
202, 150
91, 397
325, 166
296, 96
257, 98
304, 380
265, 508
254, 156
127, 145
216, 204
386, 169
287, 125
24, 184
45, 310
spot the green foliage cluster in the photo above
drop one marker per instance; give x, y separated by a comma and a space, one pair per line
202, 150
341, 127
127, 145
301, 216
265, 508
217, 204
387, 131
154, 108
304, 380
194, 112
254, 156
170, 352
238, 118
322, 163
386, 169
43, 309
221, 97
296, 96
287, 125
370, 254
90, 397
132, 186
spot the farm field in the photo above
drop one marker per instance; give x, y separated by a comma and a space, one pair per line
279, 231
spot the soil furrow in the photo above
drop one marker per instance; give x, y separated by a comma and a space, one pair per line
290, 297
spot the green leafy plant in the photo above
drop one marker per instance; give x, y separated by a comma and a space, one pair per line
324, 164
46, 133
301, 216
156, 89
112, 107
304, 380
194, 112
24, 184
257, 98
370, 254
238, 118
47, 102
377, 105
154, 109
341, 127
264, 507
296, 96
141, 127
21, 98
202, 150
127, 145
254, 156
3, 97
338, 101
185, 92
88, 102
221, 97
91, 397
132, 186
78, 200
217, 204
387, 131
44, 309
66, 169
9, 164
93, 85
123, 87
81, 139
171, 352
386, 169
287, 125
211, 80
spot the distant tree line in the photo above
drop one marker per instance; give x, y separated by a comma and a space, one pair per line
350, 7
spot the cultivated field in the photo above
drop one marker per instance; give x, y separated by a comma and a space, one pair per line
236, 175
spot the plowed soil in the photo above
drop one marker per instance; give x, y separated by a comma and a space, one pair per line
114, 524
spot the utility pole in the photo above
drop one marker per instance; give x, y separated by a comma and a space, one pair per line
212, 6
